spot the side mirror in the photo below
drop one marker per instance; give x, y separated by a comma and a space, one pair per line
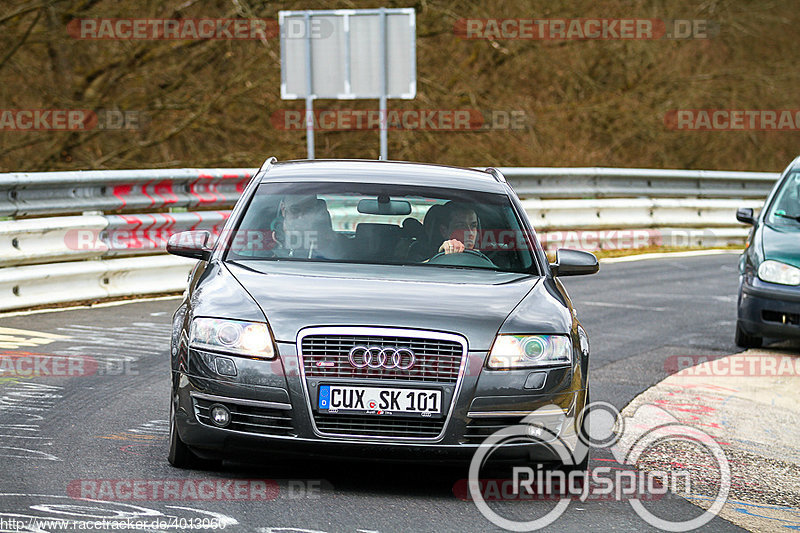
194, 244
745, 214
574, 263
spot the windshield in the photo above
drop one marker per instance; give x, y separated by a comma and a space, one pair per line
382, 224
786, 206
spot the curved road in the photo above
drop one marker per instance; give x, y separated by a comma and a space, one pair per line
60, 435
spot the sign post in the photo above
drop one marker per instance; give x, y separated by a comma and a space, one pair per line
348, 54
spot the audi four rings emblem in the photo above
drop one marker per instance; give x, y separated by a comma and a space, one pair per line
376, 357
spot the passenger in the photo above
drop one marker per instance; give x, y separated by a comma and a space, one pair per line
425, 245
307, 231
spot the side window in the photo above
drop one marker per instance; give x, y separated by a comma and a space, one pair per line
788, 201
256, 233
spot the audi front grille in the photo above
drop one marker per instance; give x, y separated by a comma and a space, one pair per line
435, 360
325, 355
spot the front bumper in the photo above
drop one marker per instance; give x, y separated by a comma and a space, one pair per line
769, 310
277, 392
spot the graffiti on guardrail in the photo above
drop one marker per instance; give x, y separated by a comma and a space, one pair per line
142, 233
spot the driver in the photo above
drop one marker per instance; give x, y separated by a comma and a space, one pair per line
461, 226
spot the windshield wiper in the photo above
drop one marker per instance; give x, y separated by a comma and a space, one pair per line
784, 215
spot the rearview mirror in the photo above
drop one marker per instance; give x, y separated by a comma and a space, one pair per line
384, 206
745, 214
574, 263
193, 244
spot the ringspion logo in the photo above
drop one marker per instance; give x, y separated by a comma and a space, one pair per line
629, 440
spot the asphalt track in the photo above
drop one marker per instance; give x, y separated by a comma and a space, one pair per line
111, 425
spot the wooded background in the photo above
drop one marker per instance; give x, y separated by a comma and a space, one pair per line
587, 103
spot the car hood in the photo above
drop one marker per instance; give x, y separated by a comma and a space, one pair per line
296, 295
781, 244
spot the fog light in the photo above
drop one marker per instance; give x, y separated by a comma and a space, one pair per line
220, 415
535, 431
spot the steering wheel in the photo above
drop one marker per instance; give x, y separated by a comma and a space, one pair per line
467, 258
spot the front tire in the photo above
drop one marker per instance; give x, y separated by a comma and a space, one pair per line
179, 456
585, 437
744, 340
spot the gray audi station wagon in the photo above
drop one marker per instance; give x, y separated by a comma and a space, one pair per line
375, 309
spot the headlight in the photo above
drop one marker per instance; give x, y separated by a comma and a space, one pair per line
777, 272
526, 351
251, 339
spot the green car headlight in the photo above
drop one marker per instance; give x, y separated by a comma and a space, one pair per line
777, 272
528, 351
250, 339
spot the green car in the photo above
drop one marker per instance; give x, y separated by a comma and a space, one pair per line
769, 269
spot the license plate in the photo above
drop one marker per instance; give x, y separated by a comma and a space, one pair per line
379, 401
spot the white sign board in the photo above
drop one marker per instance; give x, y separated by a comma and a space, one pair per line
348, 54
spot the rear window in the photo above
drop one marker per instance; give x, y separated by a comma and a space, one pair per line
382, 224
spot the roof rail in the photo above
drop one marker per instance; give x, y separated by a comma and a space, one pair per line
268, 164
497, 174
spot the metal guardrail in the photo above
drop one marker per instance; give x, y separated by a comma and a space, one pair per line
70, 238
636, 213
56, 283
112, 249
24, 194
45, 240
598, 182
53, 193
